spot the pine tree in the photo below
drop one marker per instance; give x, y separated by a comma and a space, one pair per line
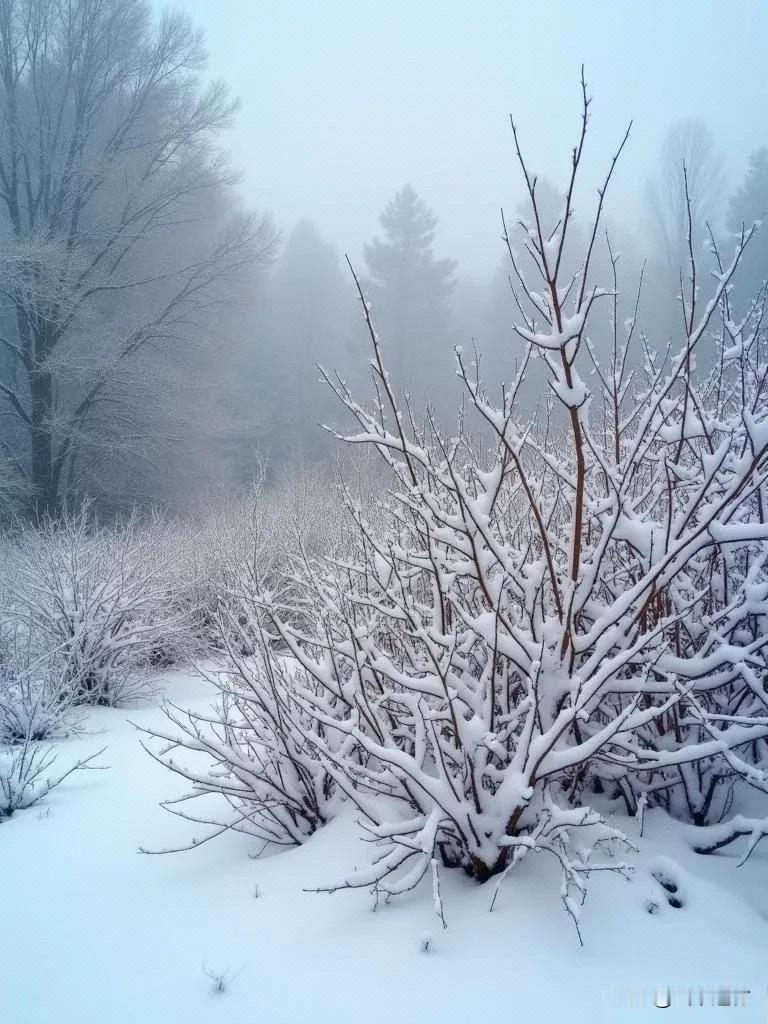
409, 287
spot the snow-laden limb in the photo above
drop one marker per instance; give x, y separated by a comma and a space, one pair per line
554, 837
553, 834
715, 837
250, 748
437, 899
24, 778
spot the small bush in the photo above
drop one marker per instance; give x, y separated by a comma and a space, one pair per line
35, 698
98, 599
23, 778
35, 702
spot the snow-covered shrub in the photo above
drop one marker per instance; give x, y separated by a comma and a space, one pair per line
35, 700
209, 547
24, 778
256, 749
215, 551
35, 697
37, 705
95, 596
578, 604
252, 749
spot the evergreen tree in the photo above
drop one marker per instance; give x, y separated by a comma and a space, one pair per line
409, 290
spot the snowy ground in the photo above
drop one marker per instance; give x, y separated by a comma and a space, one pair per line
94, 932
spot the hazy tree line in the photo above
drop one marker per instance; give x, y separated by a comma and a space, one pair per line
123, 249
157, 340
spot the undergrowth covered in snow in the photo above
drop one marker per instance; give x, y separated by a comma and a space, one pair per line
529, 637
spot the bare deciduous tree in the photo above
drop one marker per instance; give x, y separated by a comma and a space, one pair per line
116, 215
688, 152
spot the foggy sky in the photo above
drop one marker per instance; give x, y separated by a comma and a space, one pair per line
346, 100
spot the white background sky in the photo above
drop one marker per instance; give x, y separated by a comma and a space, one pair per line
346, 100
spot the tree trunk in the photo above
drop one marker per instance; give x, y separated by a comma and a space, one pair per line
44, 494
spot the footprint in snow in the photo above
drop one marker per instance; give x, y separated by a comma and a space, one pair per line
666, 873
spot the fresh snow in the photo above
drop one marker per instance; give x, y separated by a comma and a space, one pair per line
93, 932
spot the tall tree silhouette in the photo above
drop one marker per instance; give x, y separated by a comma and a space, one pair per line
121, 237
688, 153
750, 203
306, 316
409, 287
